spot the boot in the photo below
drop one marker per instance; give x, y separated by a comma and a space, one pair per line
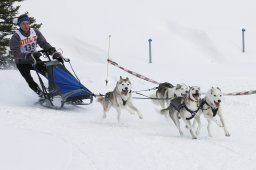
39, 92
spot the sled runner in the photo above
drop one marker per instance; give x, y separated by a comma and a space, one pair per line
63, 87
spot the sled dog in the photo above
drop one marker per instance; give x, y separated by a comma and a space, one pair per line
166, 94
119, 98
185, 108
210, 107
160, 92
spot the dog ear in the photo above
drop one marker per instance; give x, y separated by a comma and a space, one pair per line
178, 86
127, 79
218, 88
121, 77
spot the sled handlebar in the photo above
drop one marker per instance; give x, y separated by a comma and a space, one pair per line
46, 53
63, 58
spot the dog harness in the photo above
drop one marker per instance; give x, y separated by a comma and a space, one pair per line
177, 107
27, 44
193, 113
183, 105
214, 111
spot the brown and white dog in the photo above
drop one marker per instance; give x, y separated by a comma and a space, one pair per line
119, 98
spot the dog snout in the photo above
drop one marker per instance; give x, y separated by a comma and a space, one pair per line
126, 88
219, 101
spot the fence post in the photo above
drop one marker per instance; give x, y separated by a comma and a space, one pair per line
243, 30
150, 54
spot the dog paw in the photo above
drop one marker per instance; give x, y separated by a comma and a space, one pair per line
220, 124
194, 137
227, 134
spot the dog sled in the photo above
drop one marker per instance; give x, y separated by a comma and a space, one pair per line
63, 87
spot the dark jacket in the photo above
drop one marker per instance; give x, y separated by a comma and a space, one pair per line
15, 45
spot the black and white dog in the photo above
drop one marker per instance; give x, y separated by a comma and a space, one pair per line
166, 92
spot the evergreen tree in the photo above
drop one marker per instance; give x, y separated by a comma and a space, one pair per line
33, 23
8, 12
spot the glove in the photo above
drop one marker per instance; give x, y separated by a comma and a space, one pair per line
51, 51
37, 55
58, 57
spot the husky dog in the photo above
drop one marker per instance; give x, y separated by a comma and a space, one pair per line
119, 98
180, 90
161, 89
186, 108
167, 91
210, 107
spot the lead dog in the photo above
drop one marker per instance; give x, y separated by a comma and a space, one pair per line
119, 98
186, 108
210, 107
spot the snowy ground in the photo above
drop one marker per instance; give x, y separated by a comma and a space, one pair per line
34, 137
192, 44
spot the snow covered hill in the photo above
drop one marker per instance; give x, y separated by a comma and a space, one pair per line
194, 42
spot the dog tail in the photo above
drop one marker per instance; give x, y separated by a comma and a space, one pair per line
100, 99
164, 111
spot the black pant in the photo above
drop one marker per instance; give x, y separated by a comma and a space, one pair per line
25, 72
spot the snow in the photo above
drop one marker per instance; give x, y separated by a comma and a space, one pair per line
194, 42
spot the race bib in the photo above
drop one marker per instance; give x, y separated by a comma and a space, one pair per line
28, 44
